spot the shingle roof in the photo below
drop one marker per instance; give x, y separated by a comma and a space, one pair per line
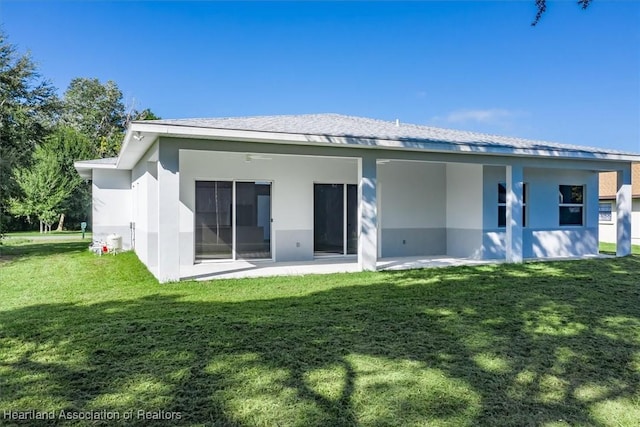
359, 127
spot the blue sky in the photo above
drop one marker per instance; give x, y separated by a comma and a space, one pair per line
480, 66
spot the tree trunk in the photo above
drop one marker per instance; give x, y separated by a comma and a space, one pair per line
61, 222
41, 228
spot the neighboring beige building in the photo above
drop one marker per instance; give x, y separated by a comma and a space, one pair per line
607, 209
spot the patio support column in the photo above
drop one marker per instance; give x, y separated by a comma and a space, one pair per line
515, 188
623, 210
168, 212
367, 213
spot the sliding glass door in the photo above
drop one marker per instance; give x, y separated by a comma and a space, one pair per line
253, 219
351, 220
233, 220
335, 219
328, 222
214, 211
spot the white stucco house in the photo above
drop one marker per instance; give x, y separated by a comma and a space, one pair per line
225, 193
607, 211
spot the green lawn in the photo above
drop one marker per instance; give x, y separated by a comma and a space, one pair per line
70, 234
536, 344
610, 248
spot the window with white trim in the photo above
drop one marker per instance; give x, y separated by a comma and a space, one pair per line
604, 212
502, 205
571, 204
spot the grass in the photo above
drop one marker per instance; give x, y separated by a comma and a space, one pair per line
21, 237
539, 344
610, 248
36, 233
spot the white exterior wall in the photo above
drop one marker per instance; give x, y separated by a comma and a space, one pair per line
542, 235
412, 214
111, 204
493, 237
145, 208
635, 223
425, 208
169, 206
464, 210
608, 228
292, 179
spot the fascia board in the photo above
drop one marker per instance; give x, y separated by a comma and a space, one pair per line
84, 168
125, 159
83, 164
125, 143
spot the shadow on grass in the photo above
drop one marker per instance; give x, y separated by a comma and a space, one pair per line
491, 345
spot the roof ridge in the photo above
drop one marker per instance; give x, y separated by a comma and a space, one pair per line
256, 116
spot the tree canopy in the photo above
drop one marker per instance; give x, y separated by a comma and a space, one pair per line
44, 189
97, 111
541, 5
41, 136
28, 110
69, 145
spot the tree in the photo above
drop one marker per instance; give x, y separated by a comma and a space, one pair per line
68, 145
44, 189
542, 8
145, 114
28, 109
96, 110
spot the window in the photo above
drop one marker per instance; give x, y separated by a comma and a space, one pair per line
604, 212
502, 205
571, 202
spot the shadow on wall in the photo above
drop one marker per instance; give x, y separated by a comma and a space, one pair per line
458, 346
623, 224
494, 245
564, 243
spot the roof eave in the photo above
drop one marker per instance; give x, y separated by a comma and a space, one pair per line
152, 129
85, 168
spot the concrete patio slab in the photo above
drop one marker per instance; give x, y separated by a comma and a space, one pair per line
327, 265
243, 268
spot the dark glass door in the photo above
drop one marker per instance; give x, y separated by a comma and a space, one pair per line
214, 212
328, 219
253, 220
335, 225
352, 219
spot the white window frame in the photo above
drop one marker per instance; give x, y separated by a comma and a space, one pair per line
561, 204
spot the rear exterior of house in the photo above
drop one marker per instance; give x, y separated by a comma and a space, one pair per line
608, 213
301, 188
